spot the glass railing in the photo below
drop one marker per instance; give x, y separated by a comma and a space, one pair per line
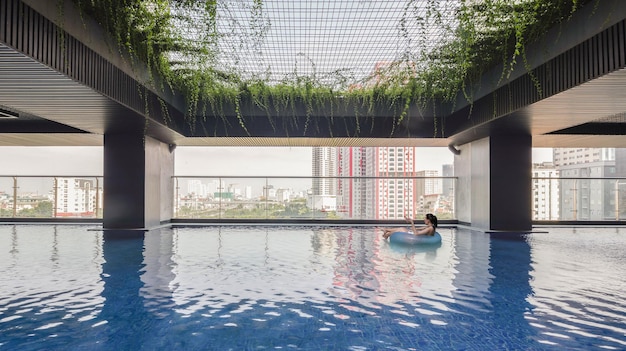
70, 197
323, 198
579, 199
294, 198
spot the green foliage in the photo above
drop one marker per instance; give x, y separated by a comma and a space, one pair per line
42, 209
178, 40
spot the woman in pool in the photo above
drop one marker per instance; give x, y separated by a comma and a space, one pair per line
429, 228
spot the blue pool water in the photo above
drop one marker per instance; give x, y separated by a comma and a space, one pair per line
309, 288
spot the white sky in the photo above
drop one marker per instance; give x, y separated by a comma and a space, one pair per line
190, 161
272, 161
58, 160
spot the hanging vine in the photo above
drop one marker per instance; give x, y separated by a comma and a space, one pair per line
180, 41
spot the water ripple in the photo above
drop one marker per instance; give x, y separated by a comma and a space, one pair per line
578, 301
309, 288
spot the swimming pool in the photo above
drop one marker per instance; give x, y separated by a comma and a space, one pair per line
309, 288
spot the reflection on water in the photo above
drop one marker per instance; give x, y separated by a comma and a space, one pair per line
50, 284
578, 280
67, 287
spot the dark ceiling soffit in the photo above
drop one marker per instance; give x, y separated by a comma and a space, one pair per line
336, 108
40, 125
343, 118
592, 59
594, 128
92, 37
33, 35
5, 113
89, 68
588, 22
417, 125
316, 127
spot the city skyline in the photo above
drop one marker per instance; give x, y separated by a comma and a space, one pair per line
557, 193
84, 161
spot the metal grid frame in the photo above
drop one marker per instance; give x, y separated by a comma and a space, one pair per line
333, 42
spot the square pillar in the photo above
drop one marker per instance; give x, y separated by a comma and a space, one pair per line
138, 185
494, 192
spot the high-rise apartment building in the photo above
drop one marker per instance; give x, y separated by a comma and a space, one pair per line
395, 196
77, 197
572, 156
323, 196
620, 184
353, 194
546, 190
447, 184
429, 184
381, 182
583, 194
385, 186
324, 165
428, 189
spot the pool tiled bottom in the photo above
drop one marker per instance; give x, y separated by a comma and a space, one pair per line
309, 288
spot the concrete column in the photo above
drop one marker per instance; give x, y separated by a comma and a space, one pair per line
138, 185
494, 191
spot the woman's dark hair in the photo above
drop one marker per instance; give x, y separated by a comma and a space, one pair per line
432, 218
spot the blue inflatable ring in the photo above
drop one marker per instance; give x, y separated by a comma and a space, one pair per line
412, 239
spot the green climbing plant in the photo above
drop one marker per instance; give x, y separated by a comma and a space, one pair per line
179, 42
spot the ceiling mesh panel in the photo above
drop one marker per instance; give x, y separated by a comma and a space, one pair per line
335, 42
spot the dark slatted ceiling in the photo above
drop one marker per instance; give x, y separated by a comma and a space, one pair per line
73, 99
